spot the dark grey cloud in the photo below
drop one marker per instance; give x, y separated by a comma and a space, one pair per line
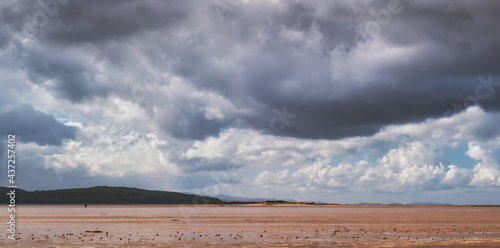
31, 125
262, 56
93, 21
424, 87
58, 25
71, 79
186, 125
203, 165
100, 21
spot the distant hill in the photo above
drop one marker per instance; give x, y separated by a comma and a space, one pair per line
228, 198
413, 203
431, 204
368, 203
106, 195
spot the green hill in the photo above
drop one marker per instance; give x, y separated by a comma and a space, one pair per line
106, 195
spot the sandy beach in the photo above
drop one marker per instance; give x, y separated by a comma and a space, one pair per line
257, 226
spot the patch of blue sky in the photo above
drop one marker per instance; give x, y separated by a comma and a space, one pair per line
60, 116
458, 157
364, 154
369, 155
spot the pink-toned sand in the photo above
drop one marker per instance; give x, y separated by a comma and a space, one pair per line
256, 226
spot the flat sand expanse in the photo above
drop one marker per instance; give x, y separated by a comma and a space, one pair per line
256, 226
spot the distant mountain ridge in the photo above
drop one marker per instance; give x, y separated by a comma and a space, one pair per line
410, 204
125, 195
107, 195
228, 198
431, 204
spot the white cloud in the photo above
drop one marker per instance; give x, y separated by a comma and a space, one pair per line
416, 165
475, 151
114, 155
486, 172
486, 175
457, 176
467, 125
250, 148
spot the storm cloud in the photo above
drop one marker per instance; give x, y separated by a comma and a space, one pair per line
345, 68
34, 126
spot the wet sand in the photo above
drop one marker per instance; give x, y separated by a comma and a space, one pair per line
257, 226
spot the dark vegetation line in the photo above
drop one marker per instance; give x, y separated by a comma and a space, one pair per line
107, 195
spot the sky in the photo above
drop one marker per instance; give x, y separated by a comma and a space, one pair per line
333, 101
